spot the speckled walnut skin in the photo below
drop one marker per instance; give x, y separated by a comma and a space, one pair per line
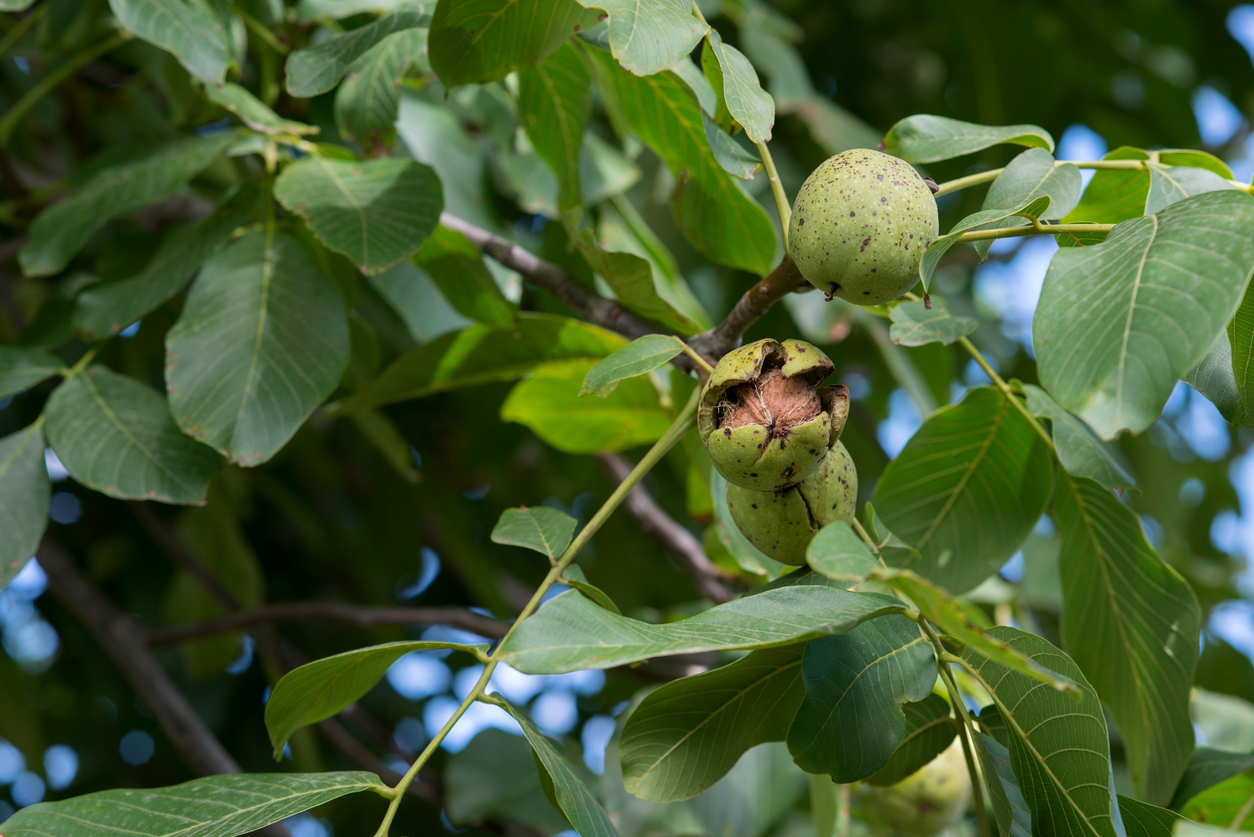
758, 457
859, 227
782, 523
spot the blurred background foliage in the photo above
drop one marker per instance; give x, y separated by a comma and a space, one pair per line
330, 519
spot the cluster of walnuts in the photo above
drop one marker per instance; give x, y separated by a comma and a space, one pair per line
859, 227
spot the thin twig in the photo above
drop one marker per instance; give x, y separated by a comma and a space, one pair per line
354, 616
681, 543
161, 532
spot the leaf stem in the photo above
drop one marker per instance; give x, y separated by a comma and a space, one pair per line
23, 26
14, 115
1036, 229
1096, 165
261, 32
777, 189
966, 735
696, 358
87, 358
672, 436
1007, 391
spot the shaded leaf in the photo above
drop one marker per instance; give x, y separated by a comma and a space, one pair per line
191, 33
253, 112
1213, 376
1059, 747
746, 101
966, 489
851, 720
639, 357
62, 229
369, 99
573, 576
484, 355
262, 340
984, 219
24, 492
554, 103
547, 531
1029, 176
1119, 322
929, 732
915, 325
648, 36
495, 777
1079, 451
1169, 184
548, 402
115, 435
102, 311
22, 369
386, 438
720, 220
1208, 767
569, 632
317, 69
923, 138
375, 212
686, 735
1144, 820
1241, 363
1009, 807
318, 690
216, 806
457, 268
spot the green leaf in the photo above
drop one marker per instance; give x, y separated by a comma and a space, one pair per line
966, 489
548, 402
24, 492
639, 357
686, 735
1009, 807
62, 229
262, 340
1119, 322
317, 69
323, 688
115, 435
851, 720
375, 212
369, 99
1213, 375
190, 32
253, 112
567, 783
101, 311
1225, 719
495, 778
458, 270
1208, 767
315, 10
22, 369
547, 531
715, 214
1240, 364
569, 632
384, 436
414, 296
649, 36
1169, 184
604, 171
915, 325
216, 806
1144, 820
484, 355
1196, 159
926, 139
1029, 176
15, 5
986, 219
1220, 805
1058, 746
1079, 451
573, 576
1131, 623
554, 104
929, 732
747, 102
1113, 196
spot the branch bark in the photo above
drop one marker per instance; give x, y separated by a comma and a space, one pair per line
681, 543
344, 614
755, 302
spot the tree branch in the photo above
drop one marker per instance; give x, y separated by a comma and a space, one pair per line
681, 543
755, 302
354, 616
160, 531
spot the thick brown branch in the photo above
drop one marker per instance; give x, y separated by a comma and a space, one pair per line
756, 301
344, 614
123, 641
681, 543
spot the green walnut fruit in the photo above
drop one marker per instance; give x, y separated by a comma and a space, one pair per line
860, 225
928, 801
782, 523
763, 417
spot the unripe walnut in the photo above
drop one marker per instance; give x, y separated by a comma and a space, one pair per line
859, 226
926, 802
782, 523
762, 418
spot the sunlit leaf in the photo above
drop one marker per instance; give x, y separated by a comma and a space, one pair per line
926, 139
253, 112
1113, 195
1169, 184
457, 268
1029, 176
748, 103
1221, 804
648, 36
984, 219
639, 357
24, 491
1079, 451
